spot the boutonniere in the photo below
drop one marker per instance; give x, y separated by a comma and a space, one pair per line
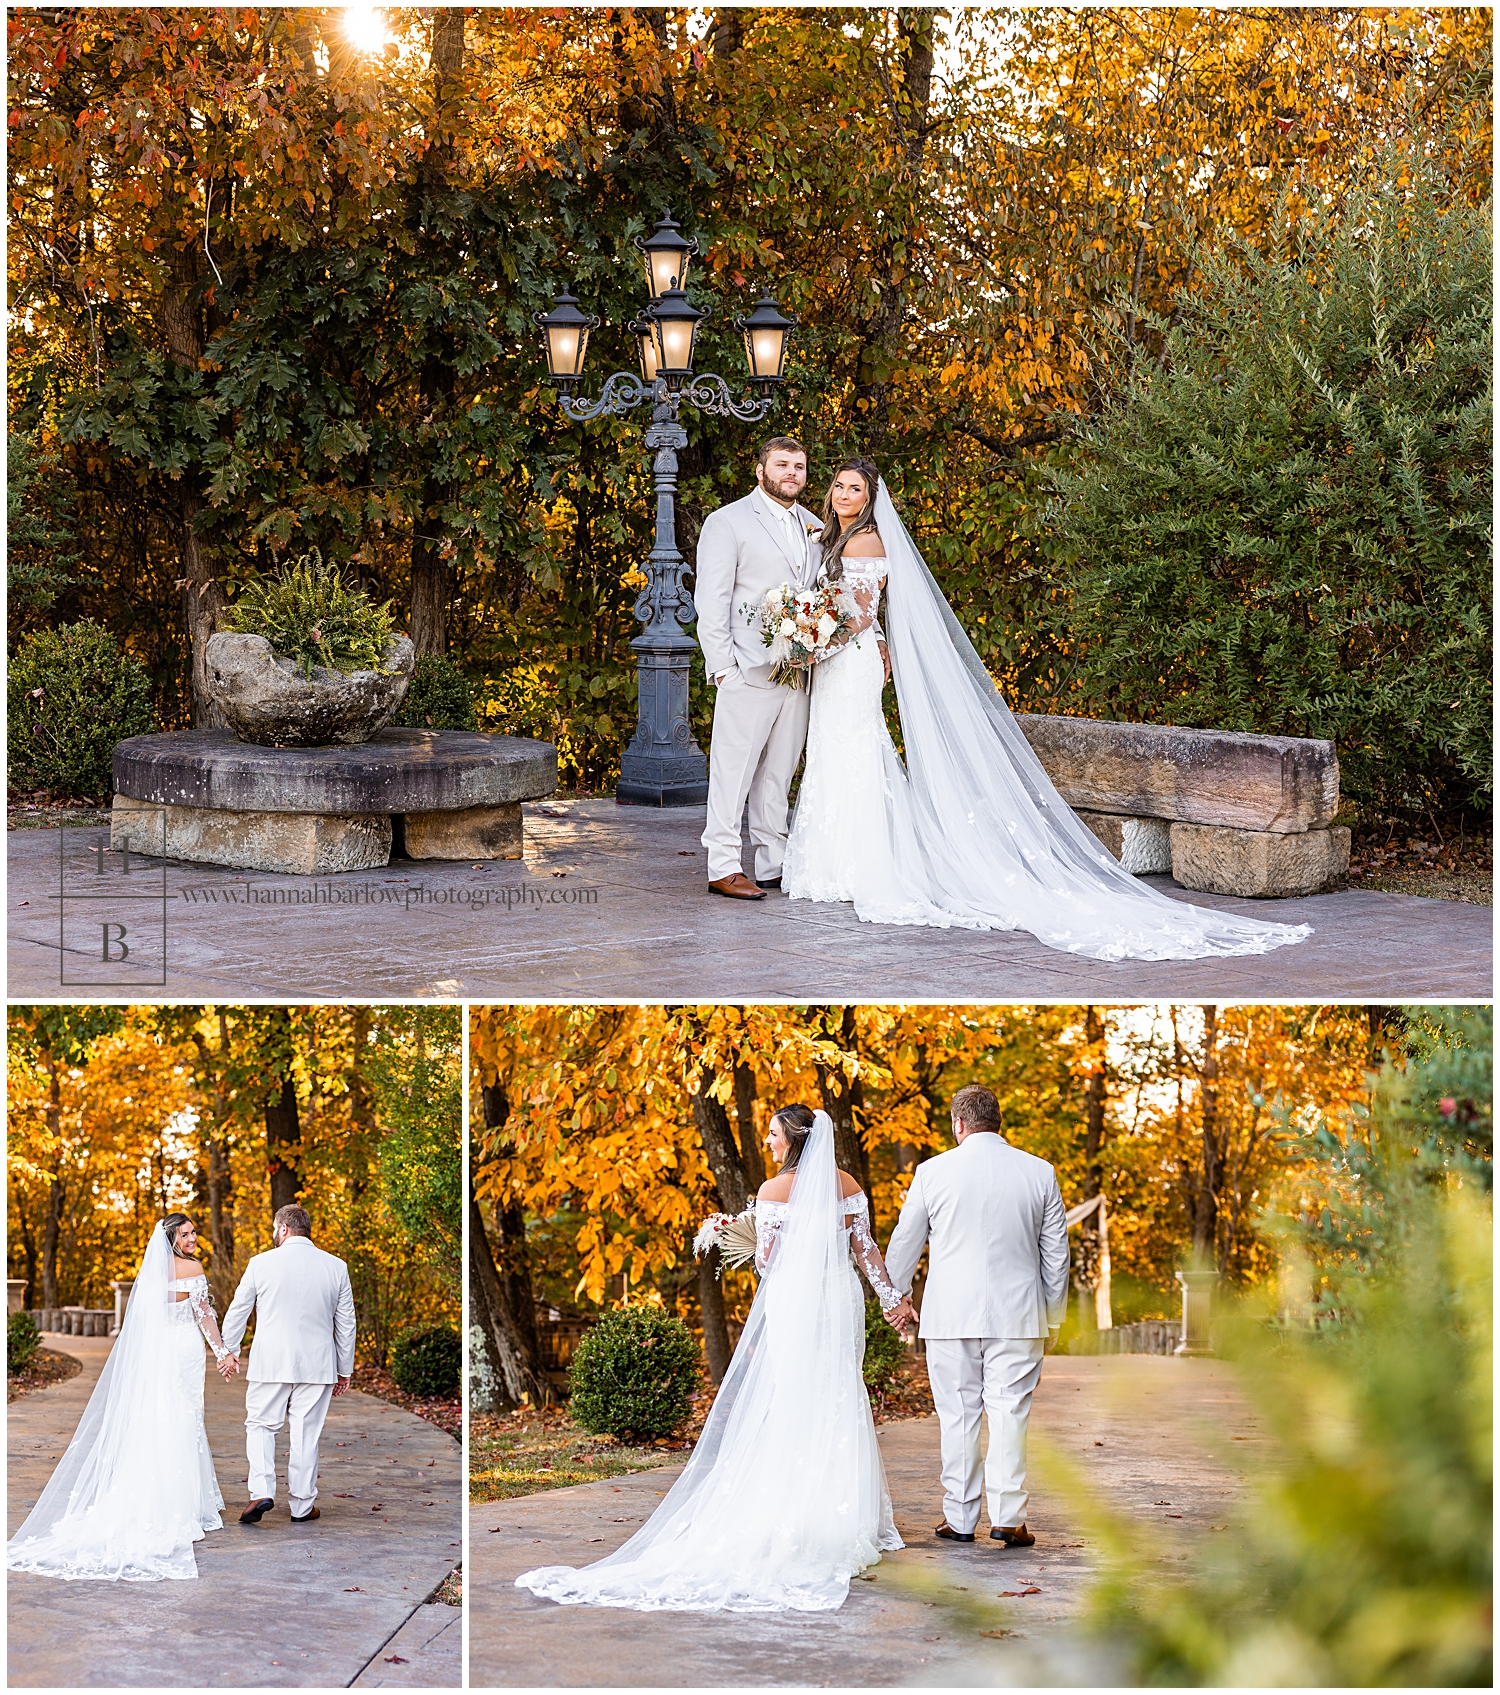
813, 529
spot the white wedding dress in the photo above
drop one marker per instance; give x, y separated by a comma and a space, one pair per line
784, 1499
970, 832
136, 1487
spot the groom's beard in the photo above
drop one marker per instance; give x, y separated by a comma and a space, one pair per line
786, 492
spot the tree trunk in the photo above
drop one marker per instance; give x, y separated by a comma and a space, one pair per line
719, 1144
716, 1349
284, 1144
1090, 1243
431, 577
502, 1302
751, 1157
1206, 1211
843, 1099
54, 1188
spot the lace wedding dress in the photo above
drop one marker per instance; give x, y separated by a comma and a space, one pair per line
970, 831
784, 1499
136, 1487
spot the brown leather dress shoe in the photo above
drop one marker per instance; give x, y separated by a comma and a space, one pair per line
307, 1517
1012, 1535
949, 1534
256, 1511
737, 887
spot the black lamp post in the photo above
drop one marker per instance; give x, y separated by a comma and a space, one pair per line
663, 765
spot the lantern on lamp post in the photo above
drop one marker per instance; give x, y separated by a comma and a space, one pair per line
663, 765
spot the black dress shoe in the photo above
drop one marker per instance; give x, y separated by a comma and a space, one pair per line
306, 1518
949, 1534
768, 882
1012, 1535
256, 1511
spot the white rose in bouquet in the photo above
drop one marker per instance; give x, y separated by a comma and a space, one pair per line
826, 626
786, 627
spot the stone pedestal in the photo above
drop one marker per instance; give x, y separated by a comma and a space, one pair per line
1142, 845
1258, 862
1197, 1311
122, 1288
206, 797
478, 832
15, 1294
306, 844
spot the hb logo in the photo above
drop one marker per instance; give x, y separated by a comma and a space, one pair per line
115, 941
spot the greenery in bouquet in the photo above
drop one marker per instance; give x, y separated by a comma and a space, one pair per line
801, 626
307, 612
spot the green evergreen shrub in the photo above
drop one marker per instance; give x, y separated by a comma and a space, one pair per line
1284, 525
885, 1348
441, 697
71, 694
39, 506
22, 1339
308, 613
429, 1362
633, 1374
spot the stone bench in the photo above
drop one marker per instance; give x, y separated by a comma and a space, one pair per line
1223, 811
207, 797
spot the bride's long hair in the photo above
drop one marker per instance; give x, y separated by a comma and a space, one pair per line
835, 536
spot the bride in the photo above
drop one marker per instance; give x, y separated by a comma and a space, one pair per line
784, 1499
136, 1487
969, 832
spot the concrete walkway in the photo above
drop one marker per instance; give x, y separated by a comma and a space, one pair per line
332, 1605
1163, 1441
612, 903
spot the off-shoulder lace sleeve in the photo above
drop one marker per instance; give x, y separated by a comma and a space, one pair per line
203, 1310
861, 590
857, 1209
767, 1227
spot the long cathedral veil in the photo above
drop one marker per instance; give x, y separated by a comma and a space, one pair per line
779, 1505
1003, 847
113, 1508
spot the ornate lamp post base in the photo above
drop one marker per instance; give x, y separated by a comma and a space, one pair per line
663, 766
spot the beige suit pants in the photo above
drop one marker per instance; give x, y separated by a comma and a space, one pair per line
757, 741
268, 1406
993, 1375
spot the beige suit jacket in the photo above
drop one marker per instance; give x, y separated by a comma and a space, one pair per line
743, 554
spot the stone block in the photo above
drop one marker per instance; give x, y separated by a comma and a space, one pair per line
398, 770
1142, 845
306, 844
478, 832
1283, 784
1258, 862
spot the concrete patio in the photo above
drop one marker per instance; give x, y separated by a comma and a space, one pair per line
1149, 1435
611, 903
339, 1604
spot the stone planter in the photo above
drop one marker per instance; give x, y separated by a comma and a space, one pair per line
267, 700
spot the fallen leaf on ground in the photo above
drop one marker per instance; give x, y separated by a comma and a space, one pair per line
1174, 1515
997, 1633
396, 1659
353, 1589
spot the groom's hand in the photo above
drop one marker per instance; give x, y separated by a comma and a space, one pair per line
341, 1387
228, 1366
902, 1314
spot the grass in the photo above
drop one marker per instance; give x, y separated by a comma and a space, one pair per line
525, 1452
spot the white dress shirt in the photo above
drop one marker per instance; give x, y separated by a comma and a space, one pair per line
791, 523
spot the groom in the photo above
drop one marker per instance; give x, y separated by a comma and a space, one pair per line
997, 1285
303, 1356
745, 550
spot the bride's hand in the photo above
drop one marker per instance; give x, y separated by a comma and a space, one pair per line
885, 659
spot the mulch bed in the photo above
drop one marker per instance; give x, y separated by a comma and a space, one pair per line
451, 1591
45, 1368
531, 1449
40, 812
446, 1414
1398, 863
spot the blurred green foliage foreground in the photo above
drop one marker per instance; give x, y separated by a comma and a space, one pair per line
1365, 1557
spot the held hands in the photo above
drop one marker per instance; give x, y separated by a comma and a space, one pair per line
902, 1314
229, 1366
885, 659
341, 1387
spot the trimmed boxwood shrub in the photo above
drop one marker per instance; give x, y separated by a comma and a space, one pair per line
633, 1374
429, 1362
22, 1339
72, 693
441, 697
884, 1347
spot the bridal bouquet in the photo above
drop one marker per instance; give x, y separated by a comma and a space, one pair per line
734, 1237
799, 626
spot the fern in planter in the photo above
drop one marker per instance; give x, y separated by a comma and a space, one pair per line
309, 614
